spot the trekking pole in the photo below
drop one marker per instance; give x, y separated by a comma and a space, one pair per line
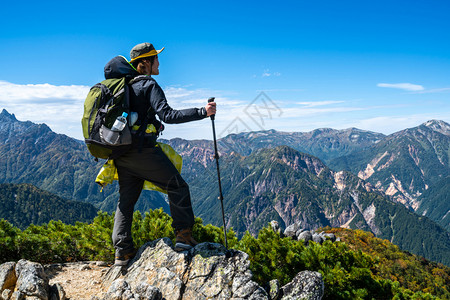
216, 156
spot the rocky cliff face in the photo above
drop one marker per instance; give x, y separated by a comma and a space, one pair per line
208, 271
405, 164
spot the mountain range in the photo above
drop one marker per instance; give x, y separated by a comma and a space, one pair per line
405, 164
32, 153
410, 166
288, 186
267, 175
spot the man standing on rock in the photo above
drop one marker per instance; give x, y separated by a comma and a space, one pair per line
145, 161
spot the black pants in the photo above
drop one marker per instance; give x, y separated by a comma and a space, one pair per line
154, 166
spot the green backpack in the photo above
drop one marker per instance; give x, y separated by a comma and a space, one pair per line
105, 102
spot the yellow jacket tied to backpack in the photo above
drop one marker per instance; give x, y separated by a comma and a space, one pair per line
108, 172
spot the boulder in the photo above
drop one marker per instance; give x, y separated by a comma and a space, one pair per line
306, 285
32, 280
291, 230
207, 271
300, 231
305, 236
317, 238
274, 289
329, 236
8, 276
57, 292
276, 227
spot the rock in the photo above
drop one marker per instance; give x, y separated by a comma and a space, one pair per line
207, 271
338, 239
291, 230
31, 279
112, 274
274, 289
6, 294
259, 294
148, 292
317, 238
8, 276
300, 231
330, 236
116, 290
85, 267
213, 270
127, 295
306, 236
101, 264
157, 264
305, 285
57, 292
17, 296
275, 226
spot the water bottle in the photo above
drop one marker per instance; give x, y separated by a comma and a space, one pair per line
120, 122
112, 136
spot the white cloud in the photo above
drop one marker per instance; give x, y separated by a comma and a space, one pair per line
309, 112
26, 92
402, 86
266, 73
61, 107
430, 91
176, 92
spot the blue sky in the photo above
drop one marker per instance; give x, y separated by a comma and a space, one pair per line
381, 65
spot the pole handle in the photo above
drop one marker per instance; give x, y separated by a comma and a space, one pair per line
211, 99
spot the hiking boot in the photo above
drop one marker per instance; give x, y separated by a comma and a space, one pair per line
123, 260
184, 240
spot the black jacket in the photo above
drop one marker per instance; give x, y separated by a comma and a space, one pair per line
145, 93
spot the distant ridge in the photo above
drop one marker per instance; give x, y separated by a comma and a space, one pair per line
24, 204
405, 164
34, 154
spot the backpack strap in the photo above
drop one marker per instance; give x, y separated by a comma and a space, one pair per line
151, 115
107, 95
137, 79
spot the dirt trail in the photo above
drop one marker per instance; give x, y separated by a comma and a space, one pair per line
80, 280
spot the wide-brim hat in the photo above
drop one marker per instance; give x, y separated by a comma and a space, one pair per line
143, 50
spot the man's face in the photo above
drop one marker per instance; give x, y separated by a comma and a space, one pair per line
155, 66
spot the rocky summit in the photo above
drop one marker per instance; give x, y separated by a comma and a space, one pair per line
207, 271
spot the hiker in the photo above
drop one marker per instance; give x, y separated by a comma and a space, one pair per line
145, 161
